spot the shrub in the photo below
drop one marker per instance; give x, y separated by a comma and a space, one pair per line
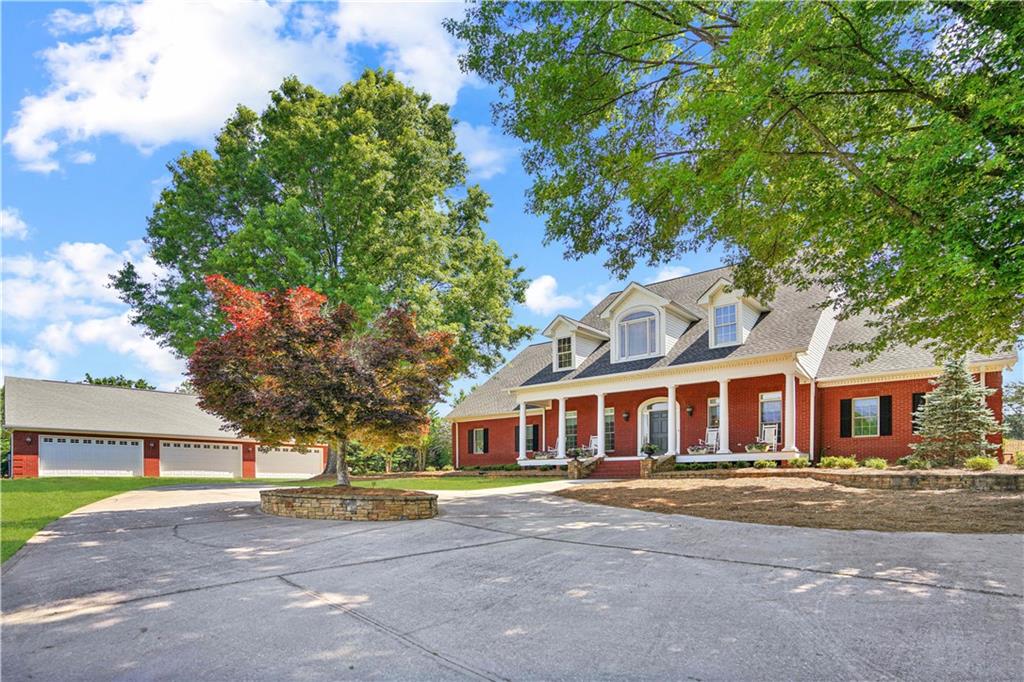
447, 467
981, 463
765, 464
431, 469
703, 466
834, 462
799, 462
875, 463
1018, 460
917, 463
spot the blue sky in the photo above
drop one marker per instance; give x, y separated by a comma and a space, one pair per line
98, 98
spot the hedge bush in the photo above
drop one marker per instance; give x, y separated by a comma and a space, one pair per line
980, 463
1018, 459
799, 462
834, 462
875, 463
765, 464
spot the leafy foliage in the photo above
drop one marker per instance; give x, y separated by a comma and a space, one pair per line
1013, 409
291, 367
955, 419
119, 380
360, 196
765, 464
799, 463
875, 463
871, 148
838, 462
980, 463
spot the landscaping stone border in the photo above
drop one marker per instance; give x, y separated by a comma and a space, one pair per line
463, 473
325, 503
877, 480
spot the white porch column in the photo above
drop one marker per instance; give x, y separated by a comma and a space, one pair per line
811, 427
600, 423
723, 417
789, 416
672, 421
522, 430
561, 428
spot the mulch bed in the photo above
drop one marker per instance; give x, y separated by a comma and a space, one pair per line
815, 504
353, 490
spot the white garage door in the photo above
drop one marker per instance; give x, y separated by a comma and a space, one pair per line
66, 456
289, 463
212, 460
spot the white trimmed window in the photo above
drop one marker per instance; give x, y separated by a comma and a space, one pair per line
725, 324
570, 430
638, 335
563, 353
478, 442
865, 416
713, 413
609, 429
771, 412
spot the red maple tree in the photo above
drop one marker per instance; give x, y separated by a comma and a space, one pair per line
292, 369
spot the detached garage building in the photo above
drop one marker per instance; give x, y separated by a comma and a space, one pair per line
67, 429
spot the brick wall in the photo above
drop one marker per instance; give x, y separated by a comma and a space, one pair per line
24, 454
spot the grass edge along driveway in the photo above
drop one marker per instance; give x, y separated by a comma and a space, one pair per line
27, 505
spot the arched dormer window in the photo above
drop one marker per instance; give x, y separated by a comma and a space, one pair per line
638, 334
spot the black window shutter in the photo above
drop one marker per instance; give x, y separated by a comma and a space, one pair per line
885, 415
485, 440
845, 418
536, 433
470, 450
916, 401
515, 442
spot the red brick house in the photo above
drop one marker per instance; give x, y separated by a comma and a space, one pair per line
693, 360
69, 429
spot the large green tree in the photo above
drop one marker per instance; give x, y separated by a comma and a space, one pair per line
120, 381
874, 148
360, 195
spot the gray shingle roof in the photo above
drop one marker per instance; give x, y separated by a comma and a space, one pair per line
41, 405
788, 326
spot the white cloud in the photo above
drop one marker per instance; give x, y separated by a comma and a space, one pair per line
62, 303
597, 295
159, 71
83, 157
542, 296
671, 272
485, 151
11, 224
416, 46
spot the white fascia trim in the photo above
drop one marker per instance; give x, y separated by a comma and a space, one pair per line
691, 368
908, 374
133, 434
500, 415
577, 327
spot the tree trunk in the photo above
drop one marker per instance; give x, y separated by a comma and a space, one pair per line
387, 463
332, 461
342, 465
421, 457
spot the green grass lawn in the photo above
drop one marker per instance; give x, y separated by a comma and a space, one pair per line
29, 504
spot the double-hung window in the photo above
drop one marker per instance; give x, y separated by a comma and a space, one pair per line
771, 412
638, 335
570, 430
725, 324
865, 416
563, 353
478, 442
713, 413
609, 429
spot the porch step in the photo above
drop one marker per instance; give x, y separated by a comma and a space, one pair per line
606, 469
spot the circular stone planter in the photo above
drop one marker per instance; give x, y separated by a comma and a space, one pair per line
349, 504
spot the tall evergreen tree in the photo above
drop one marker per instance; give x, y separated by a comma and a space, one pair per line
955, 419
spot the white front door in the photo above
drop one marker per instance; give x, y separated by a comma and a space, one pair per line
202, 460
78, 456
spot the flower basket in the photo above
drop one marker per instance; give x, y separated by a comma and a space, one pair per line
699, 450
757, 447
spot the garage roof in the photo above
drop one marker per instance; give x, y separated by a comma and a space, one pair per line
42, 405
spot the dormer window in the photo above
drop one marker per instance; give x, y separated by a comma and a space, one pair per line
725, 324
638, 335
563, 353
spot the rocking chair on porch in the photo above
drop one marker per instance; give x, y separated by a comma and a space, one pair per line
549, 453
707, 446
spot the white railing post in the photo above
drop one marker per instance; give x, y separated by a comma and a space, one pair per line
600, 424
522, 430
672, 421
789, 419
561, 428
723, 417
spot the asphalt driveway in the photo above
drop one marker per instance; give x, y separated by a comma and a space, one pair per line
506, 584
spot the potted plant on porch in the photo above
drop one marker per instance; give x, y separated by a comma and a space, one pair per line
758, 446
648, 449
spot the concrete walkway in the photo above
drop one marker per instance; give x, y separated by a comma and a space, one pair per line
510, 583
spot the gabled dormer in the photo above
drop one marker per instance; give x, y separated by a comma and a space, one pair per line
644, 324
571, 342
731, 313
